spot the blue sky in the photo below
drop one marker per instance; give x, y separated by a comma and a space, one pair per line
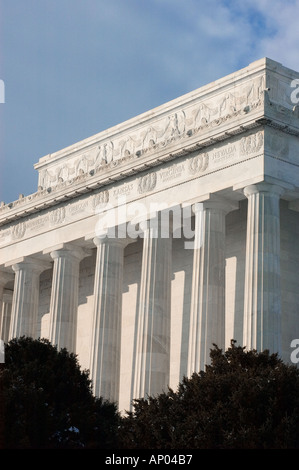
73, 68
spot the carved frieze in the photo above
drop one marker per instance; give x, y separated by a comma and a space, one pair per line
100, 198
167, 131
251, 143
157, 134
196, 165
18, 231
199, 163
147, 183
104, 154
57, 216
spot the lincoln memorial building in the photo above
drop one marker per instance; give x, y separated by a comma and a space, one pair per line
150, 241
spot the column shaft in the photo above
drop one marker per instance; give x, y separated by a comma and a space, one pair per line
152, 361
5, 311
5, 315
1, 303
25, 298
1, 309
262, 297
106, 328
207, 312
64, 297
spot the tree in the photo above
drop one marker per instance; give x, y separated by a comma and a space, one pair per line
48, 402
243, 400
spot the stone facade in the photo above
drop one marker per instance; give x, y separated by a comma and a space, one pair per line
150, 241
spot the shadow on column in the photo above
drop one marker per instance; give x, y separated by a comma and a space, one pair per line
187, 268
45, 286
236, 224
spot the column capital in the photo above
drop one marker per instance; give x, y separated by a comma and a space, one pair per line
263, 188
215, 203
36, 265
69, 253
113, 241
67, 250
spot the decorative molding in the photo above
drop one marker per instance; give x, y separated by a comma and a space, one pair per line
18, 231
205, 117
199, 163
147, 183
251, 143
57, 216
152, 136
100, 198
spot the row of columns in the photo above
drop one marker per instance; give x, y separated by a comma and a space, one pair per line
152, 347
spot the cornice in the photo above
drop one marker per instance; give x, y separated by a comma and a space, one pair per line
228, 107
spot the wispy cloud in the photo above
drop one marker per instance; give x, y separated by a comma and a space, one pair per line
282, 44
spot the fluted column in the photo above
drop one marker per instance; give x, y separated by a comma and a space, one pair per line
5, 314
262, 302
1, 300
5, 277
25, 297
152, 359
106, 328
207, 311
64, 296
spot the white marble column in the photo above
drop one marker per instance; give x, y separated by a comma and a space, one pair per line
106, 327
262, 297
25, 297
2, 284
64, 296
152, 361
5, 314
5, 277
207, 311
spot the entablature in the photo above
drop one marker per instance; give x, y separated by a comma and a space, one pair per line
236, 105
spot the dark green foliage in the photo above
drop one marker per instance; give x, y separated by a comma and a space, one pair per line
48, 402
243, 400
